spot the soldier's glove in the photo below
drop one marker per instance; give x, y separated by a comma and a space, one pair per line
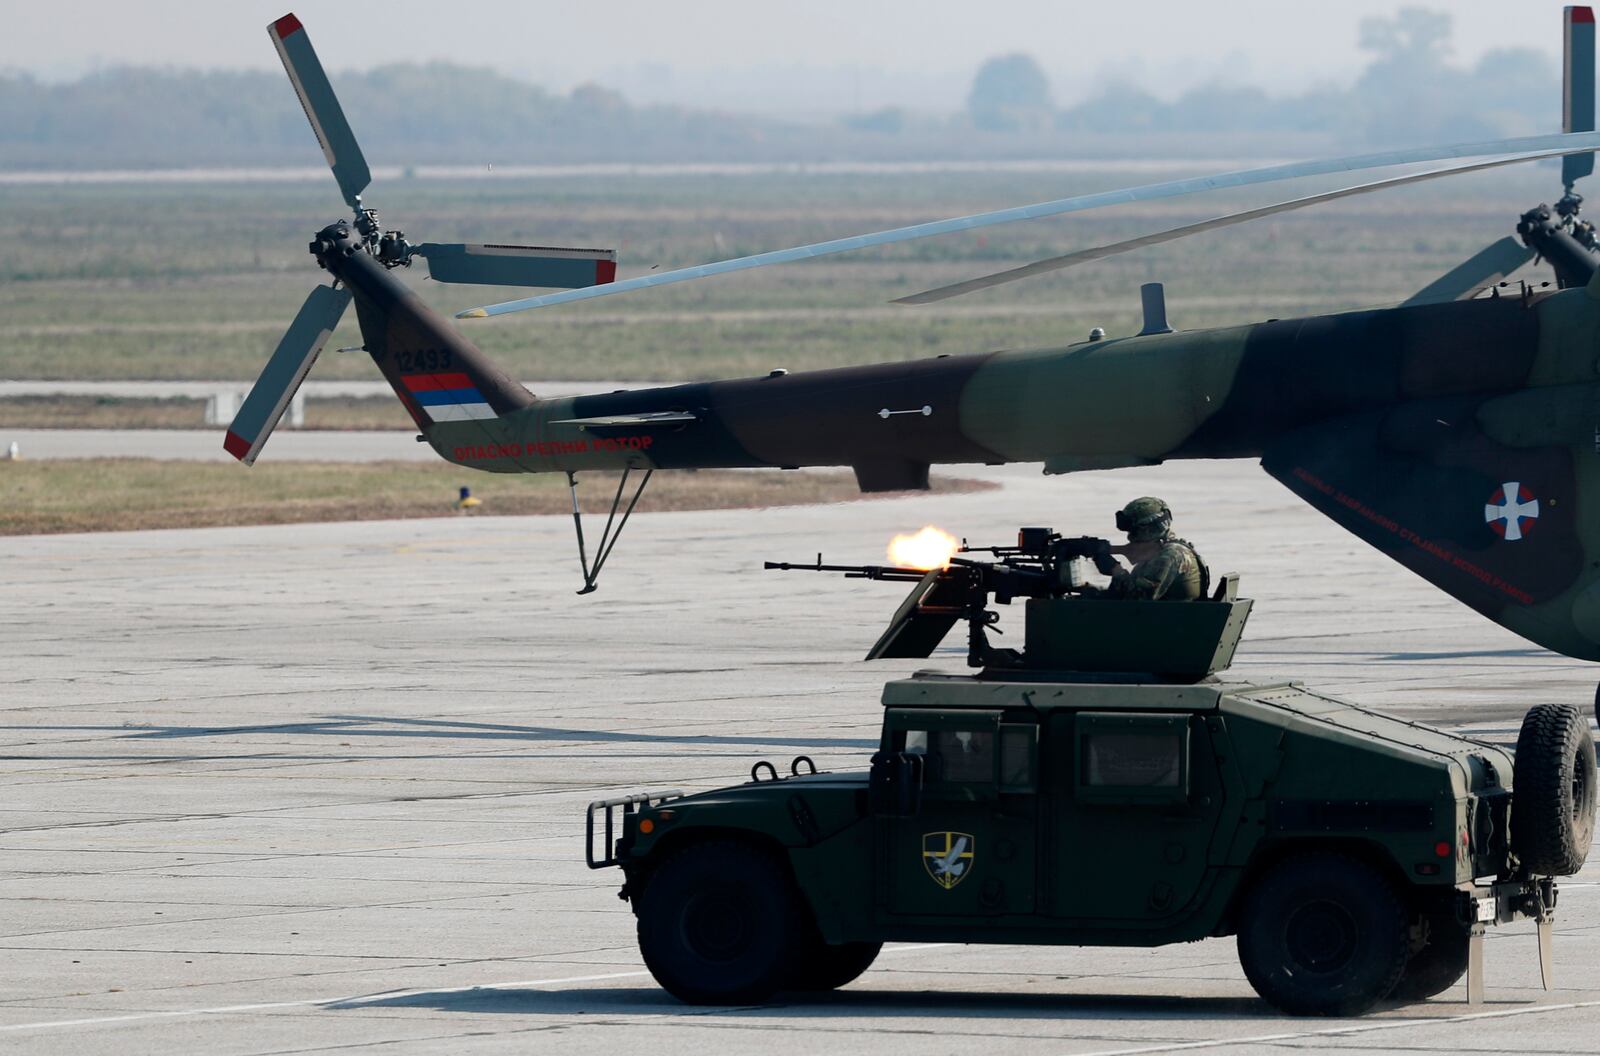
1103, 561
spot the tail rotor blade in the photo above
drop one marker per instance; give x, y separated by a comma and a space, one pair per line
497, 265
287, 368
1577, 79
322, 107
1484, 268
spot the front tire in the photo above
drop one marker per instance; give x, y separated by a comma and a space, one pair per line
1323, 935
1553, 791
719, 924
824, 966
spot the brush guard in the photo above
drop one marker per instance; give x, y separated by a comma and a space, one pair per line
608, 537
612, 816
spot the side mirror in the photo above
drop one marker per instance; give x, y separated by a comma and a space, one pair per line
894, 787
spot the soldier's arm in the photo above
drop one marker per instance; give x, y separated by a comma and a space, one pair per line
1150, 582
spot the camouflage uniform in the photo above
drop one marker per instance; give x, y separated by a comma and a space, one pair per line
1173, 574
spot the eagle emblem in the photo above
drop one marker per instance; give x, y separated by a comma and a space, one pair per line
948, 856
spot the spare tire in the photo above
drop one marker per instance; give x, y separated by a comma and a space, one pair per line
1553, 791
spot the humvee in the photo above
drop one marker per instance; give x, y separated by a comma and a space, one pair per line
1106, 786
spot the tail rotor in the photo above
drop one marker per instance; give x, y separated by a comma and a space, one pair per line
456, 262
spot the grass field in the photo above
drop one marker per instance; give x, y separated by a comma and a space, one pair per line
122, 494
194, 282
114, 412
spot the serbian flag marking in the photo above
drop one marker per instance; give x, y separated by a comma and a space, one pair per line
448, 397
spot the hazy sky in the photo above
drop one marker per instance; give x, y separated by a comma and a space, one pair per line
821, 55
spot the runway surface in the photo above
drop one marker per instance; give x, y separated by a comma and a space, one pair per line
320, 787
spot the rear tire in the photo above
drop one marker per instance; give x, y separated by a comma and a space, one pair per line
1553, 791
1323, 935
720, 923
1440, 963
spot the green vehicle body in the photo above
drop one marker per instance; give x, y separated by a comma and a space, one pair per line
1060, 858
1030, 804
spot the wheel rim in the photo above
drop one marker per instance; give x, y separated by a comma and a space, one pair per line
718, 925
1578, 783
1321, 937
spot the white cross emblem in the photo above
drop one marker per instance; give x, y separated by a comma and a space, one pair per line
1511, 511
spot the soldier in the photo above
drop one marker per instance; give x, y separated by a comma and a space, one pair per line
1165, 568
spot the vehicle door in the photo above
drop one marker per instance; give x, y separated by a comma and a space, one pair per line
1139, 812
969, 850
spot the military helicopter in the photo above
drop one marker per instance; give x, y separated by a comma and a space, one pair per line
1459, 433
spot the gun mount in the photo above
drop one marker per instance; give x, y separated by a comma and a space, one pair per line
1068, 626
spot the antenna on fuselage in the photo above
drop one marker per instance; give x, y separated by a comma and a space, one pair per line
1154, 297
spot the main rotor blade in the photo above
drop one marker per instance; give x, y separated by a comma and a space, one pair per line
1577, 82
322, 107
288, 367
491, 265
1067, 260
1484, 268
1170, 189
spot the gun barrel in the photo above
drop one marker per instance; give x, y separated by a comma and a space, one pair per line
888, 572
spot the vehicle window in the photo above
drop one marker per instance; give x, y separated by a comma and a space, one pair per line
966, 756
1133, 760
1016, 757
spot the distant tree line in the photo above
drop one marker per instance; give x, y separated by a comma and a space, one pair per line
402, 114
439, 113
1408, 92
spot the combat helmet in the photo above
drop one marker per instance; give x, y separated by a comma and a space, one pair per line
1145, 519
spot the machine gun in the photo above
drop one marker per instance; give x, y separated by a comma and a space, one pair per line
1042, 564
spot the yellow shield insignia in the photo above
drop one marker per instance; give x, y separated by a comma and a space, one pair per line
948, 856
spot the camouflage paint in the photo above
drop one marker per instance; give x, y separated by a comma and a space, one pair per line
1402, 425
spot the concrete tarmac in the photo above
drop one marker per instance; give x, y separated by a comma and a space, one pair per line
321, 787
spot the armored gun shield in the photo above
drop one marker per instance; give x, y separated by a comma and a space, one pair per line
920, 623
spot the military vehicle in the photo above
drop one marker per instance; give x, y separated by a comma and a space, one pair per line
1105, 786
